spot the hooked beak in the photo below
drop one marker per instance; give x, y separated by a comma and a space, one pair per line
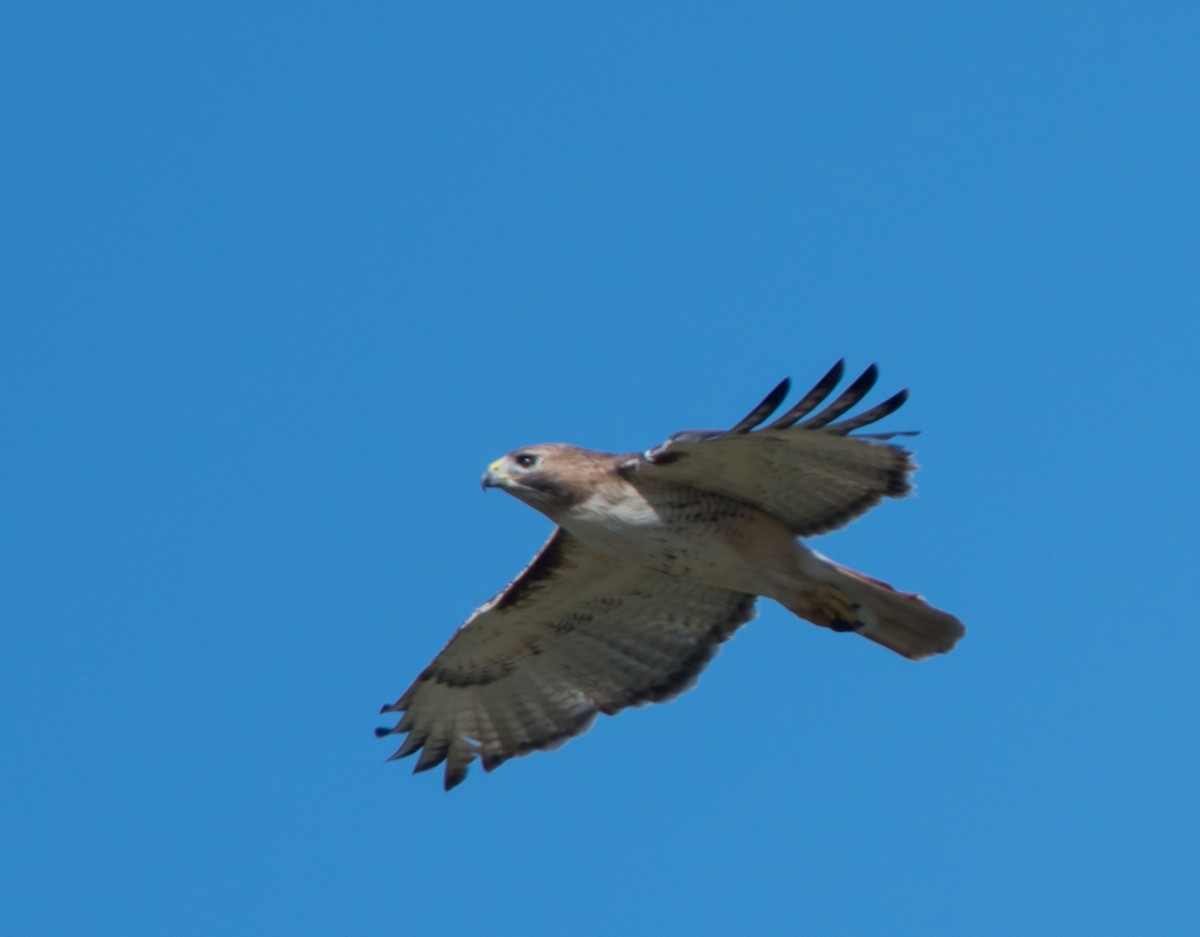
495, 476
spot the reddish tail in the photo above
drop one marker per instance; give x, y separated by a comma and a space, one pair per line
847, 600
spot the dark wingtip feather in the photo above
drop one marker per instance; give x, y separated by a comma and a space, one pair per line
768, 406
849, 397
813, 398
876, 413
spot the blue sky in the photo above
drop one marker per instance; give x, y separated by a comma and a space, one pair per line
281, 280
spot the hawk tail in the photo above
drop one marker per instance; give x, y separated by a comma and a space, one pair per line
846, 600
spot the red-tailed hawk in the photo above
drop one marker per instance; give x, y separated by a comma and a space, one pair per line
657, 558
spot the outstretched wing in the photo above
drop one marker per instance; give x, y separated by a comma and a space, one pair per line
804, 469
575, 634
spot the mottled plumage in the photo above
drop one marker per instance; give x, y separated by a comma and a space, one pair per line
657, 558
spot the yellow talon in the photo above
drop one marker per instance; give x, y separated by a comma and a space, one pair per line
834, 610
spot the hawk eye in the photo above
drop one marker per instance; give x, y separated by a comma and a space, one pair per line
526, 460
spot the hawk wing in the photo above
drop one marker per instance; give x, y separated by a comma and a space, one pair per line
805, 470
575, 634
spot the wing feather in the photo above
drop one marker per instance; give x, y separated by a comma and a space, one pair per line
575, 634
876, 413
769, 405
822, 389
849, 397
812, 475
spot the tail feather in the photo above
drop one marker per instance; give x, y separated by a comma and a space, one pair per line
847, 600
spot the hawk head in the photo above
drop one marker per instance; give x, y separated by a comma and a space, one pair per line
550, 477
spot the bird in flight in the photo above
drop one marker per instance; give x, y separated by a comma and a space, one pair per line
656, 559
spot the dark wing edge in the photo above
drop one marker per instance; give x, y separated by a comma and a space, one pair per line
686, 457
820, 391
534, 680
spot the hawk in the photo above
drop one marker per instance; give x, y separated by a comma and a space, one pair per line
657, 558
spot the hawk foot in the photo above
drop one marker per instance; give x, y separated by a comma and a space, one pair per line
835, 611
